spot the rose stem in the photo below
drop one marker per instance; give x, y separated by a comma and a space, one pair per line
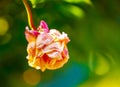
29, 14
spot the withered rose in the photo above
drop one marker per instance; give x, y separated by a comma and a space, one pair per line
46, 48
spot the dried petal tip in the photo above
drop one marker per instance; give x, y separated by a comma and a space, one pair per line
43, 26
31, 34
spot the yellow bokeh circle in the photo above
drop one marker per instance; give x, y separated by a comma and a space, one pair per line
31, 76
3, 26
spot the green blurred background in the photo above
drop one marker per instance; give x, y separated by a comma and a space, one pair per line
93, 28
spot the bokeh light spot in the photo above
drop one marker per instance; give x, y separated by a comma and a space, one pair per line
108, 82
6, 39
3, 26
103, 66
99, 64
31, 77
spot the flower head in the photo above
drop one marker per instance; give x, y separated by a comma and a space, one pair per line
46, 48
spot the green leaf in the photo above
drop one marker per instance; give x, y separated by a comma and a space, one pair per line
78, 1
72, 10
35, 2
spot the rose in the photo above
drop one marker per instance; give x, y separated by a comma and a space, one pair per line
47, 49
